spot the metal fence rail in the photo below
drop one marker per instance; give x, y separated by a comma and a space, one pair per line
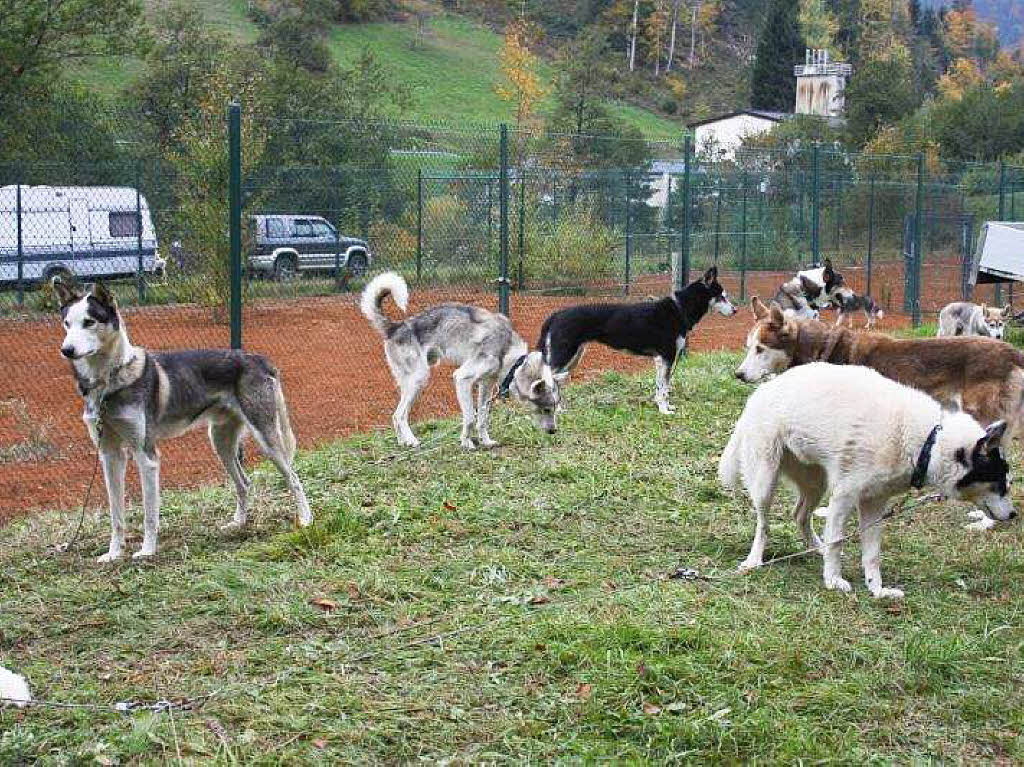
264, 242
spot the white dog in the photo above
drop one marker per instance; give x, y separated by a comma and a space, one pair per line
862, 438
13, 689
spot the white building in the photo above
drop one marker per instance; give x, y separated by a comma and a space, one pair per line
820, 88
821, 85
719, 137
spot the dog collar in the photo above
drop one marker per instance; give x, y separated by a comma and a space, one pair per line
920, 475
506, 382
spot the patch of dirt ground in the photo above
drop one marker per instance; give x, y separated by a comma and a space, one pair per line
332, 364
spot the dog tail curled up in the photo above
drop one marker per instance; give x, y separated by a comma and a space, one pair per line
379, 288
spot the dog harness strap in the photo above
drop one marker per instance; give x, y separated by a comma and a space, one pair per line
506, 382
920, 475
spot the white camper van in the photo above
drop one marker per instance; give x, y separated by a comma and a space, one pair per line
85, 231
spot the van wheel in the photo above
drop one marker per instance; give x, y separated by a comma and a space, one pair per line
286, 268
357, 264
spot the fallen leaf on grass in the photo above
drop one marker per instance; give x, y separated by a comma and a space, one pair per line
353, 590
539, 599
450, 506
584, 691
320, 743
553, 583
651, 710
324, 604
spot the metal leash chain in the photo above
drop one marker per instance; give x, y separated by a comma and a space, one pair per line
70, 543
122, 706
693, 574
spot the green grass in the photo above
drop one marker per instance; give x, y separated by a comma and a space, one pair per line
452, 73
453, 70
513, 605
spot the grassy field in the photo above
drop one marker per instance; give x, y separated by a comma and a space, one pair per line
514, 605
451, 72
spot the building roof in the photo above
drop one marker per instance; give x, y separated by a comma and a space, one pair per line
763, 114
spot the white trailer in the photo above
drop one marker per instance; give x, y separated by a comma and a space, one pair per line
84, 231
1000, 253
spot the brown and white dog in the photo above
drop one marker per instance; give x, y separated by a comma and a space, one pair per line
982, 376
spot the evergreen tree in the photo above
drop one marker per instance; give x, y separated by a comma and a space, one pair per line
781, 45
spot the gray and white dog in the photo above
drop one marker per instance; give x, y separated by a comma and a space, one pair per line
485, 347
962, 318
135, 398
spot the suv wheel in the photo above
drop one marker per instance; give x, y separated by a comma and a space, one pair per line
357, 264
286, 268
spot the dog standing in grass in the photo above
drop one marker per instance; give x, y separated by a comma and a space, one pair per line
962, 318
485, 347
135, 399
862, 438
653, 329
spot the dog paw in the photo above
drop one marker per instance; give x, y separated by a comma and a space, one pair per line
408, 442
886, 593
143, 553
666, 409
305, 521
488, 443
837, 583
748, 564
232, 527
467, 443
981, 525
110, 556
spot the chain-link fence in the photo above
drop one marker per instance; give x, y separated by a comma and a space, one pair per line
262, 232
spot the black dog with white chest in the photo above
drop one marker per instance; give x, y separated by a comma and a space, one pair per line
652, 329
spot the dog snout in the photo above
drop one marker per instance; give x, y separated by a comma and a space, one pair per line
68, 352
1013, 515
740, 376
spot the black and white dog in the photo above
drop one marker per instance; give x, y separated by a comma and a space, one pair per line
653, 329
135, 399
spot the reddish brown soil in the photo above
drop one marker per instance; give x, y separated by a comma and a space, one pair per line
333, 368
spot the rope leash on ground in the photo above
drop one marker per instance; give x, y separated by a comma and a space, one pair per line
70, 543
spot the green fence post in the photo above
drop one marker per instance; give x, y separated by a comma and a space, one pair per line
140, 282
718, 213
419, 224
629, 237
815, 203
915, 307
503, 284
522, 226
743, 238
682, 276
21, 247
871, 230
997, 291
235, 219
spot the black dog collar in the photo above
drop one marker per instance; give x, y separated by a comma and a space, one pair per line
920, 475
506, 382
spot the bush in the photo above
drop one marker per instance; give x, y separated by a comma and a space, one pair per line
578, 249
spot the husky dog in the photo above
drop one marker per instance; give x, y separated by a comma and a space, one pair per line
818, 285
653, 329
861, 437
484, 346
849, 302
792, 296
962, 318
135, 398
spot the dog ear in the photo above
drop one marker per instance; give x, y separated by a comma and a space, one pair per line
778, 319
758, 308
66, 294
993, 435
102, 294
711, 275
